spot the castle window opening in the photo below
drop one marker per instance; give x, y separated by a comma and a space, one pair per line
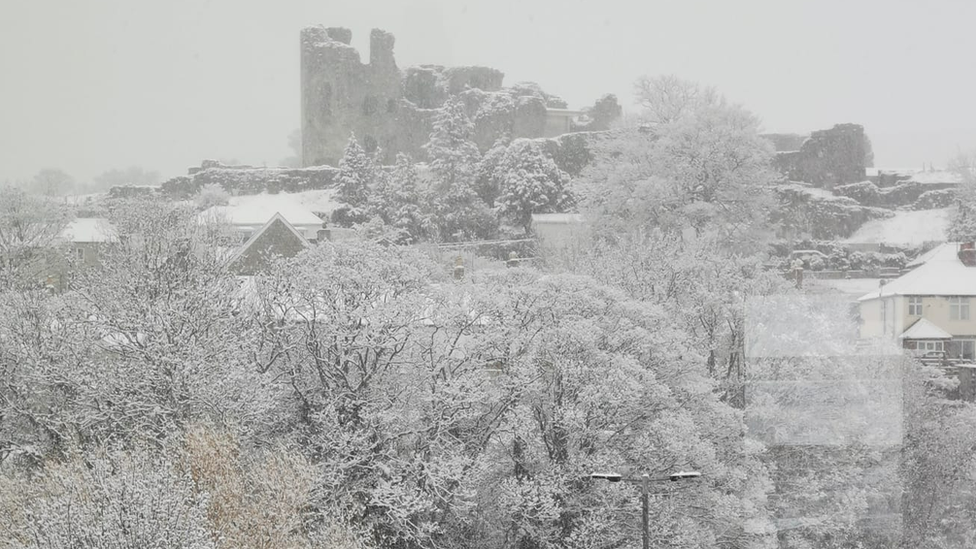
391, 106
369, 143
370, 105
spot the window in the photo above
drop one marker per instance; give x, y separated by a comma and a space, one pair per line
80, 254
963, 348
925, 346
915, 306
959, 308
370, 104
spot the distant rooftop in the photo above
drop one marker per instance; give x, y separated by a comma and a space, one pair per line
256, 210
89, 229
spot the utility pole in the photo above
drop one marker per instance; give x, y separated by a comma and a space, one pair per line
645, 512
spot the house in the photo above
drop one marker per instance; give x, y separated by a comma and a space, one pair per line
80, 244
276, 238
88, 238
928, 309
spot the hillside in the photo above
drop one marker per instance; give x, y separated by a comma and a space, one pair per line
909, 228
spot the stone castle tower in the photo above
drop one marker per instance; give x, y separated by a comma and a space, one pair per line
394, 110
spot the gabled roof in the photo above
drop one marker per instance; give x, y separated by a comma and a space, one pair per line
89, 229
924, 329
276, 220
258, 209
942, 274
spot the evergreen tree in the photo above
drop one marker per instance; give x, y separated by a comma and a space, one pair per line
356, 175
457, 211
487, 185
529, 182
395, 199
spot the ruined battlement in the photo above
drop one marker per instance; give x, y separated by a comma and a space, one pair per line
393, 109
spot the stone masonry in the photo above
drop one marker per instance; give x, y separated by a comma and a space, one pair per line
393, 110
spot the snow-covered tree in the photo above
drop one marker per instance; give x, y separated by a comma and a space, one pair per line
962, 225
380, 393
667, 98
707, 171
488, 183
356, 176
110, 499
211, 195
530, 182
600, 382
29, 227
51, 182
457, 212
396, 200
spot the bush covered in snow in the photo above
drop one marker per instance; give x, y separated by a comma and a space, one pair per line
932, 200
865, 192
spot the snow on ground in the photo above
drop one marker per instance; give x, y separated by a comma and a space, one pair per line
908, 228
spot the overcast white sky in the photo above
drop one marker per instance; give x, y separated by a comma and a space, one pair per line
91, 85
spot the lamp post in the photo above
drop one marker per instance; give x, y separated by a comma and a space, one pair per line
645, 481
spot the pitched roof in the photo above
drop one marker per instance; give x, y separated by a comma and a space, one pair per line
276, 220
924, 329
942, 274
89, 229
258, 209
924, 258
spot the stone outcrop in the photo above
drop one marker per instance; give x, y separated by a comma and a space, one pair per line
393, 110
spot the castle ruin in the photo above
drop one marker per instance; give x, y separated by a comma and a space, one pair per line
393, 110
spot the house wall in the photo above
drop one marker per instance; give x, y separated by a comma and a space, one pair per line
934, 308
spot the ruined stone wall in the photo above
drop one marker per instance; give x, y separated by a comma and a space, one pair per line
249, 179
395, 109
342, 95
828, 157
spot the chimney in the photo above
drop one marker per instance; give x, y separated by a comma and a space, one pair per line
967, 254
459, 268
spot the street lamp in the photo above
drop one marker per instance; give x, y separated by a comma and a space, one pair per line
645, 481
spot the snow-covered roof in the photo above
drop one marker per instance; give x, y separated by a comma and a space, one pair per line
924, 258
256, 210
924, 329
90, 229
936, 177
557, 218
943, 274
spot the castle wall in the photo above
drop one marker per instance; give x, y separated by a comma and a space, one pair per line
394, 109
342, 95
827, 158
